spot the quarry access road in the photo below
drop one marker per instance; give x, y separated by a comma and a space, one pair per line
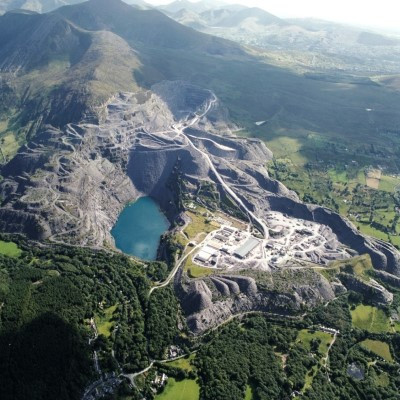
180, 128
178, 264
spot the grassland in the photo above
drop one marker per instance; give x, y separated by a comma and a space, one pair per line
196, 271
104, 321
9, 146
9, 249
249, 393
382, 379
381, 349
187, 389
339, 175
371, 319
305, 337
373, 178
200, 223
10, 137
183, 363
358, 266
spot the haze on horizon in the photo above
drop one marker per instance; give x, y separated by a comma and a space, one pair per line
382, 15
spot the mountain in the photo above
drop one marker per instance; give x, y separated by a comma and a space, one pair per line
111, 78
44, 6
225, 17
142, 27
50, 65
102, 103
65, 59
62, 67
139, 3
307, 44
40, 6
196, 7
42, 55
235, 18
190, 18
49, 51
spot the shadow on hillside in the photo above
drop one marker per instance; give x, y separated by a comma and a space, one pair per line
45, 359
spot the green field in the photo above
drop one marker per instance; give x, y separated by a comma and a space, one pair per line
9, 249
382, 380
371, 319
358, 266
183, 363
305, 337
249, 393
310, 377
200, 223
323, 171
187, 389
379, 348
104, 321
196, 271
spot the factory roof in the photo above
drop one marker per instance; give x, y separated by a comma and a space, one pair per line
205, 253
203, 256
247, 247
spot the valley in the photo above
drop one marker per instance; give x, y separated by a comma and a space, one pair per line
192, 216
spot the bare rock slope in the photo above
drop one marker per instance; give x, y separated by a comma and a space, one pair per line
70, 185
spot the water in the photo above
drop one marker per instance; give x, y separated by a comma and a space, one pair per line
139, 228
356, 371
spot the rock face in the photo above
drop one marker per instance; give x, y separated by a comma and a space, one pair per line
372, 290
70, 185
208, 302
388, 278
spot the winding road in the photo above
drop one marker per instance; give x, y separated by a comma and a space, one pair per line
180, 128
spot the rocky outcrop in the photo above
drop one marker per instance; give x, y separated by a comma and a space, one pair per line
75, 181
383, 255
15, 221
388, 278
210, 301
371, 289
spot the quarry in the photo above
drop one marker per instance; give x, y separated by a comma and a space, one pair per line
169, 143
231, 248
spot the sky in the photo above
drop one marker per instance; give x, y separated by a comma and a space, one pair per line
382, 14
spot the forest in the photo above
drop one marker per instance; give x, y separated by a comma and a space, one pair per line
48, 296
59, 304
279, 360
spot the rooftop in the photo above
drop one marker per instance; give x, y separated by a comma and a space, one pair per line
247, 247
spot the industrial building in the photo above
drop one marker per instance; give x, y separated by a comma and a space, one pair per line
205, 254
245, 249
215, 244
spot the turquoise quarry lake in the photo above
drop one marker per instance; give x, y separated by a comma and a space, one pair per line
139, 229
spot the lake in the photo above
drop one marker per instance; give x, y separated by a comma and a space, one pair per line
139, 229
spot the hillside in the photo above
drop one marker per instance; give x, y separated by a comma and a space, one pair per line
300, 43
41, 6
68, 43
188, 5
49, 65
75, 58
239, 17
255, 290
